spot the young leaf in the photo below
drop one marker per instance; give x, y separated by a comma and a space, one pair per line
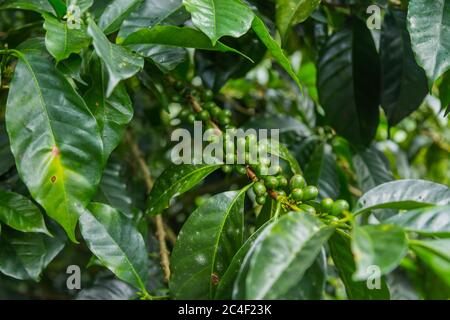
25, 255
430, 36
348, 83
404, 194
291, 12
371, 168
340, 250
431, 221
174, 181
152, 13
274, 48
61, 41
114, 14
59, 6
20, 213
218, 18
59, 156
380, 246
282, 257
120, 63
114, 240
113, 113
206, 245
403, 82
321, 171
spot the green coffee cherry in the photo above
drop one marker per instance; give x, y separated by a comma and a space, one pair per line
297, 182
223, 119
333, 219
326, 204
281, 193
278, 169
297, 195
208, 95
226, 113
271, 182
310, 193
184, 114
241, 169
179, 85
261, 200
230, 158
306, 208
282, 181
259, 188
191, 118
203, 115
209, 105
339, 206
227, 168
215, 111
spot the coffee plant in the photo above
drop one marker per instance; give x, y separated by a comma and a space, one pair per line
347, 198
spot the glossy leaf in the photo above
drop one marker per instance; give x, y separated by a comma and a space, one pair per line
61, 41
33, 5
282, 257
174, 181
380, 246
404, 194
348, 83
403, 82
83, 5
321, 172
371, 168
107, 289
20, 213
114, 240
152, 13
115, 13
432, 220
6, 157
218, 18
166, 58
274, 48
430, 36
59, 6
291, 12
206, 246
24, 256
113, 113
120, 63
59, 156
340, 250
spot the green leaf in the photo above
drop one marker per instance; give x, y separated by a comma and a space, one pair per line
381, 246
173, 36
20, 213
166, 58
444, 93
280, 260
174, 181
72, 68
371, 168
25, 255
113, 113
435, 254
152, 13
403, 82
431, 221
115, 13
430, 36
113, 190
348, 83
107, 289
404, 194
206, 245
59, 156
274, 48
340, 250
33, 5
120, 63
114, 240
61, 41
225, 287
59, 6
6, 157
321, 171
218, 18
291, 12
281, 151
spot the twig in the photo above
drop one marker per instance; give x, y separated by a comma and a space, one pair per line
160, 231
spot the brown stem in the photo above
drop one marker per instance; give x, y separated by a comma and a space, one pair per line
159, 223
